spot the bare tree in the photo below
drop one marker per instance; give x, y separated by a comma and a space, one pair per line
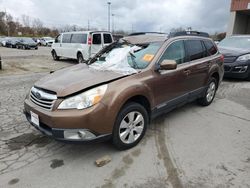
26, 20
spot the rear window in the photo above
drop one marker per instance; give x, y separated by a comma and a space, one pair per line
79, 38
210, 47
66, 38
107, 38
97, 39
195, 49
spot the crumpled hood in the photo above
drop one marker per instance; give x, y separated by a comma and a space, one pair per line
75, 78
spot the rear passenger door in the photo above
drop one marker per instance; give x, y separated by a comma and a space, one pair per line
96, 45
199, 66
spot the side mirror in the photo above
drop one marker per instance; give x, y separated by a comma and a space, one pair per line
168, 65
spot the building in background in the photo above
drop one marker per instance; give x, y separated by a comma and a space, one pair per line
239, 22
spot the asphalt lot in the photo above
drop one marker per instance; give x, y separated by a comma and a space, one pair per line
191, 146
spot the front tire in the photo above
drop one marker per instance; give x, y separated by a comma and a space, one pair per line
54, 55
130, 126
210, 93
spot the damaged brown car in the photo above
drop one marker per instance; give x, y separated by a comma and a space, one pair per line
122, 88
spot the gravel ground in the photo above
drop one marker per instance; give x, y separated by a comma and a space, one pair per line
16, 61
191, 146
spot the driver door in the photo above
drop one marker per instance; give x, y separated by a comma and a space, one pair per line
170, 87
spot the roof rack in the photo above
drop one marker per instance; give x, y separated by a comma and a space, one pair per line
145, 33
188, 33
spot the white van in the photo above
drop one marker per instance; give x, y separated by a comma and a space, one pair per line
80, 45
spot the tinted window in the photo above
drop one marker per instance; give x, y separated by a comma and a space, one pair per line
195, 49
107, 38
210, 47
66, 38
79, 38
58, 39
97, 39
175, 51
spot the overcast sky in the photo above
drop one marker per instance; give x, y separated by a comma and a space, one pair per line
141, 15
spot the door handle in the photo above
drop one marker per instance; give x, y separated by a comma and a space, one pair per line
187, 71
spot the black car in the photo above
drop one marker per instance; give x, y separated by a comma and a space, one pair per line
236, 51
11, 42
26, 43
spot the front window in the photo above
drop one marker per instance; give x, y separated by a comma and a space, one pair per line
175, 51
235, 42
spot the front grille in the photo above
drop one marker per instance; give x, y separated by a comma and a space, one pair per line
229, 59
42, 98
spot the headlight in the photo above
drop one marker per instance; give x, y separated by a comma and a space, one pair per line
244, 57
85, 99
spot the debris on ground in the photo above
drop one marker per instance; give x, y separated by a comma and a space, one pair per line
103, 161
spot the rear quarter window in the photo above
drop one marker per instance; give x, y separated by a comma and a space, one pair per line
195, 49
66, 38
211, 48
79, 38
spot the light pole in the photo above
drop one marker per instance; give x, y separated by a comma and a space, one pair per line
113, 23
109, 4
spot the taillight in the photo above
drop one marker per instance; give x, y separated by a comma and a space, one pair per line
89, 41
222, 58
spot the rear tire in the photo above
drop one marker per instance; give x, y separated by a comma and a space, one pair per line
80, 58
130, 126
54, 55
208, 98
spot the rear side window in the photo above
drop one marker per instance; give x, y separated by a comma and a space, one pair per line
79, 38
97, 39
175, 51
195, 49
66, 38
107, 38
211, 49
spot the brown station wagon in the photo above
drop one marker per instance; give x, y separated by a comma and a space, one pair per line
122, 88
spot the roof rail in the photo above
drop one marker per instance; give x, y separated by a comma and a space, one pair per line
188, 33
144, 33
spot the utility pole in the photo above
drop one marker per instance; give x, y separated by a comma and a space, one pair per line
88, 25
109, 4
8, 29
113, 23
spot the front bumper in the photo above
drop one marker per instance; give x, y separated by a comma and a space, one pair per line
62, 124
59, 134
237, 69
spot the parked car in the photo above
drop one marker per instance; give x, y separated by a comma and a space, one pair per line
26, 43
141, 77
37, 40
80, 45
46, 41
236, 51
2, 41
11, 42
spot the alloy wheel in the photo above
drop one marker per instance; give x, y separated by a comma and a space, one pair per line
131, 127
211, 92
